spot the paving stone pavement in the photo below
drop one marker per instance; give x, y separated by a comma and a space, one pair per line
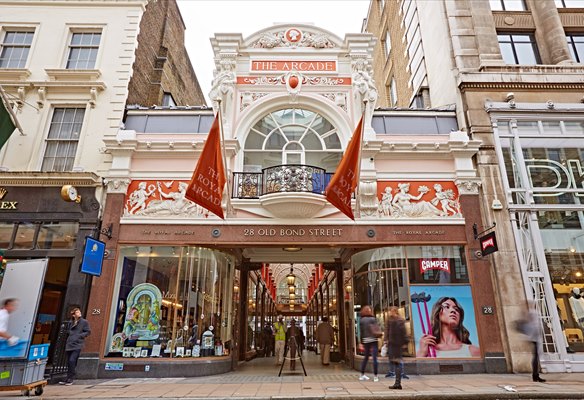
258, 380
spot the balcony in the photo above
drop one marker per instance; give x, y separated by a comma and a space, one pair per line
287, 191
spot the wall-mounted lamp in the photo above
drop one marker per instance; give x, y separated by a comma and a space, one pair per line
292, 249
107, 231
348, 288
236, 288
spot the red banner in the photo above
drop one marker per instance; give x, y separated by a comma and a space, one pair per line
343, 183
208, 181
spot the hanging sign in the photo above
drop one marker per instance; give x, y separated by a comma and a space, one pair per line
488, 244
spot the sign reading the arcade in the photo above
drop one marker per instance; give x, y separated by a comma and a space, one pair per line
298, 65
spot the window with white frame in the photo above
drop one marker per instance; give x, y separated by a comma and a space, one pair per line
507, 5
387, 43
62, 139
15, 48
576, 46
519, 49
83, 50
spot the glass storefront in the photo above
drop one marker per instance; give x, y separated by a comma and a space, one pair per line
172, 302
542, 165
430, 287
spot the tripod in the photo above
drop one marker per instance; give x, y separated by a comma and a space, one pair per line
294, 358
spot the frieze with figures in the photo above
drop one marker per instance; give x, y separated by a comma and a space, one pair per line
414, 199
160, 198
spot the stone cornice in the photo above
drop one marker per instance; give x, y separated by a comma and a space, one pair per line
27, 178
573, 86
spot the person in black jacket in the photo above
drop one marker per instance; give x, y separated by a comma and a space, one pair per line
395, 337
78, 331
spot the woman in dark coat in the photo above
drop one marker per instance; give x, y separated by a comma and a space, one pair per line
395, 336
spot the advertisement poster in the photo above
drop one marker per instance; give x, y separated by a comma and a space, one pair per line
23, 282
444, 321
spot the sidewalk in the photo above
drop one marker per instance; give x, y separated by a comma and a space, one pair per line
339, 386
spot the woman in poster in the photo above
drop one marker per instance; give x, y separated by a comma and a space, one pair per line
449, 337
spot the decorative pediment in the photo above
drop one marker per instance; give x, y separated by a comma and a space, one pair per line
293, 36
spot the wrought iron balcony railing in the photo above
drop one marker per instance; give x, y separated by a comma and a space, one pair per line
280, 179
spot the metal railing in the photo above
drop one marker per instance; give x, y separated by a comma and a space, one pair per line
280, 179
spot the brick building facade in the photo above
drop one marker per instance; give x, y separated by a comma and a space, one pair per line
162, 69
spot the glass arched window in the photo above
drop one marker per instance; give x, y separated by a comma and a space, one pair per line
292, 136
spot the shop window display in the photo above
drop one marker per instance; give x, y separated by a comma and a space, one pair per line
172, 302
429, 285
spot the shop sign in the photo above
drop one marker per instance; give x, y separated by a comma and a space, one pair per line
488, 244
298, 65
6, 205
441, 264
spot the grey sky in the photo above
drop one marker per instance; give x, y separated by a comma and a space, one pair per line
204, 18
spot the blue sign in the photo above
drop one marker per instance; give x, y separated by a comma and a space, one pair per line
92, 256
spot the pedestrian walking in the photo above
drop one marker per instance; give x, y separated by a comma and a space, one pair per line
268, 340
532, 329
325, 336
8, 307
293, 337
280, 338
78, 331
370, 334
395, 337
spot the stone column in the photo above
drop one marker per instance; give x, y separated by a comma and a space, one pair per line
551, 32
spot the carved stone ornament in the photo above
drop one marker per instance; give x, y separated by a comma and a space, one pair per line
247, 98
293, 37
431, 200
468, 186
117, 185
160, 198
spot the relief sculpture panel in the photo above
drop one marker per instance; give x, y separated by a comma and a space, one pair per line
402, 199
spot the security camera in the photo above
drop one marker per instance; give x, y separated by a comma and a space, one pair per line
496, 205
106, 253
510, 96
478, 254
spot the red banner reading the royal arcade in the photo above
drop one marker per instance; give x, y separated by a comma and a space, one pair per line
206, 185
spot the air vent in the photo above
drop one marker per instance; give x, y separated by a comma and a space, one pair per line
449, 368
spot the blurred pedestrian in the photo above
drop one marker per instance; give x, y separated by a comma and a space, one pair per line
8, 307
395, 337
325, 336
268, 340
293, 337
532, 329
370, 334
78, 331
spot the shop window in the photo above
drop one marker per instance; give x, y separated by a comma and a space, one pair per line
15, 49
57, 235
83, 50
519, 49
25, 236
62, 139
172, 302
6, 231
437, 264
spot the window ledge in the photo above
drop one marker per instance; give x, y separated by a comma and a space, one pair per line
73, 74
14, 74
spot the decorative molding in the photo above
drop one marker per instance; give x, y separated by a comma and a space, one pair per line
468, 186
293, 37
247, 98
14, 74
8, 178
62, 74
281, 80
338, 98
513, 19
574, 86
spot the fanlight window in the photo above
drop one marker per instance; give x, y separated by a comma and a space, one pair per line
292, 136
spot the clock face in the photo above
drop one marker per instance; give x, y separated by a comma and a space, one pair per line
72, 193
